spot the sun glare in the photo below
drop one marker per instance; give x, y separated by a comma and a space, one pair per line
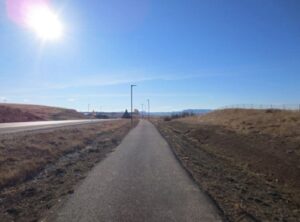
44, 22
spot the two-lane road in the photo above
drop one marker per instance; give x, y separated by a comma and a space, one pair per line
140, 181
39, 125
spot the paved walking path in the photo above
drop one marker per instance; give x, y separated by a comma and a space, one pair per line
140, 181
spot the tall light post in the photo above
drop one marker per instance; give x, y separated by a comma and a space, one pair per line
148, 100
131, 87
142, 110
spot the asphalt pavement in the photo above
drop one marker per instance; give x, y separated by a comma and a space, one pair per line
140, 181
6, 128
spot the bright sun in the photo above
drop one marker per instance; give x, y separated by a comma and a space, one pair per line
44, 22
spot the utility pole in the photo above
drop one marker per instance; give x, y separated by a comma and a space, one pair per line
148, 108
142, 110
131, 87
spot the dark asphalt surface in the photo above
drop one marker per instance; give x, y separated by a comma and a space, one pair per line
6, 128
140, 181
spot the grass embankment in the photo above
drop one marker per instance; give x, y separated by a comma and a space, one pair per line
246, 160
24, 112
38, 168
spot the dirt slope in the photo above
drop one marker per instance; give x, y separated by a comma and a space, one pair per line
23, 113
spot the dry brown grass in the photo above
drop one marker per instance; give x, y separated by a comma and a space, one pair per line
22, 156
272, 122
247, 160
22, 112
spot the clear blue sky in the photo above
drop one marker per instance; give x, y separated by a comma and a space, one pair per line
180, 53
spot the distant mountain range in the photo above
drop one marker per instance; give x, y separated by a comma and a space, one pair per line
193, 111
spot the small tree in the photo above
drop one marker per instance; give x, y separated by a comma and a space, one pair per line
126, 115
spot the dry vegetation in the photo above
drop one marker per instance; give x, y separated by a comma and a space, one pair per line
22, 113
21, 156
38, 168
276, 123
246, 160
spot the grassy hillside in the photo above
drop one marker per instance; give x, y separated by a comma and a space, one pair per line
246, 160
277, 123
22, 112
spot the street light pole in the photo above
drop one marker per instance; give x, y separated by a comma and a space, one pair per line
131, 87
148, 108
142, 110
